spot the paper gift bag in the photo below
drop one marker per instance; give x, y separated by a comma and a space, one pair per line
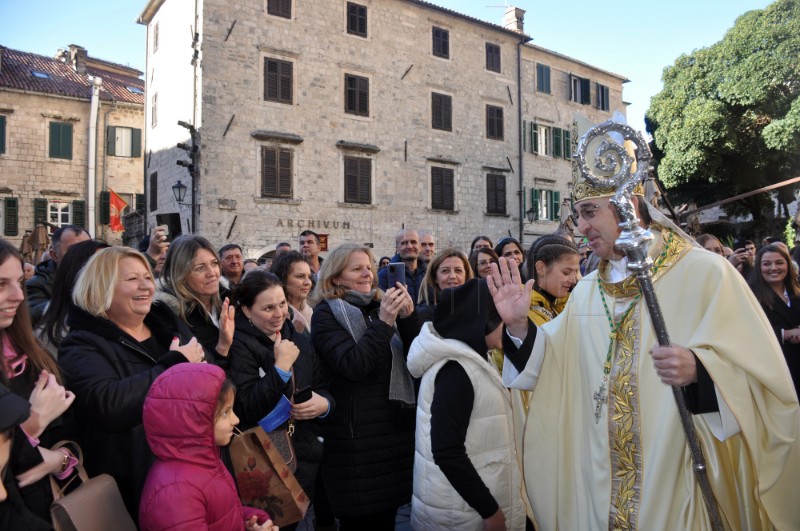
264, 478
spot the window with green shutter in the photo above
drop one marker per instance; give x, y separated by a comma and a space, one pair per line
11, 216
542, 78
567, 144
2, 134
60, 140
358, 180
535, 201
39, 211
123, 141
79, 213
534, 137
140, 202
105, 207
555, 204
557, 151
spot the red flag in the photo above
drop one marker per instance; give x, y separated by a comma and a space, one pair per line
116, 206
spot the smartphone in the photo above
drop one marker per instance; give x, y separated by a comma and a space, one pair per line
302, 395
397, 273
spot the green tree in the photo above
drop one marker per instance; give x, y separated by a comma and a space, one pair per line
728, 118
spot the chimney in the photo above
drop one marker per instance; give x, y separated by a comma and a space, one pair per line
77, 56
514, 19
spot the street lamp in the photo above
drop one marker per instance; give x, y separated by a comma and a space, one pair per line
179, 191
532, 215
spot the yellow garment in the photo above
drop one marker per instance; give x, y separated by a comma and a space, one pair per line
632, 469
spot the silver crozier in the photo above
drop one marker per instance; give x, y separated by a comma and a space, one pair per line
613, 162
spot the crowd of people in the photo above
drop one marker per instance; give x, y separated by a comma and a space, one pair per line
496, 388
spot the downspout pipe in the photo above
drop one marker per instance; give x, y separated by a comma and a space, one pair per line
91, 185
520, 175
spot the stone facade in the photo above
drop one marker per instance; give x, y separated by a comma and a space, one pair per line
223, 96
33, 179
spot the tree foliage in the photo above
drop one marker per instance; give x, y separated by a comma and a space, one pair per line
728, 118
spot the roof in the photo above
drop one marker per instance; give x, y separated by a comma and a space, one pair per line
17, 67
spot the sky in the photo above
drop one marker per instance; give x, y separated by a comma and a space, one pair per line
635, 39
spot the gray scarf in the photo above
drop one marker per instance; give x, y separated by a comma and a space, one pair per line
347, 314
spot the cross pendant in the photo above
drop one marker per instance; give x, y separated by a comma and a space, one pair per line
600, 398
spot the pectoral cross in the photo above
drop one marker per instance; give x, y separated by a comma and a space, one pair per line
600, 397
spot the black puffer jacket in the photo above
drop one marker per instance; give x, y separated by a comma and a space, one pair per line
40, 289
369, 442
110, 374
257, 395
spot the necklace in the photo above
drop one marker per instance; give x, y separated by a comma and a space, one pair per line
601, 395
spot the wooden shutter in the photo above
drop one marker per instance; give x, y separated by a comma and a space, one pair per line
441, 42
153, 191
362, 87
555, 205
111, 140
492, 57
136, 142
139, 202
2, 134
535, 202
356, 19
10, 216
39, 211
495, 193
356, 95
285, 173
285, 76
55, 146
105, 208
586, 94
567, 144
557, 142
269, 171
270, 79
534, 137
442, 190
358, 174
79, 213
280, 8
441, 112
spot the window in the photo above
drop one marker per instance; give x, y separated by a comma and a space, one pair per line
2, 134
357, 180
356, 95
441, 42
356, 19
442, 111
442, 190
562, 146
155, 37
276, 172
492, 57
60, 140
494, 122
579, 90
542, 78
280, 8
495, 193
153, 191
278, 80
542, 141
557, 146
154, 110
9, 215
546, 203
60, 213
124, 142
40, 75
602, 97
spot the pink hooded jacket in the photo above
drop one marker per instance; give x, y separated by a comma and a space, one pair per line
188, 487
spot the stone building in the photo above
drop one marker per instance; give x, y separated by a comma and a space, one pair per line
354, 119
57, 164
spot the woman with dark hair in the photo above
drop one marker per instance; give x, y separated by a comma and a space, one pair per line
480, 242
360, 334
118, 343
295, 274
269, 360
31, 373
448, 269
53, 326
778, 291
191, 284
383, 262
481, 261
553, 262
510, 249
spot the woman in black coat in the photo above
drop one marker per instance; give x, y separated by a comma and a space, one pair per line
775, 285
114, 351
369, 441
269, 359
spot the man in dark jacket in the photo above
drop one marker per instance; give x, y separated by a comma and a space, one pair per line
408, 251
40, 286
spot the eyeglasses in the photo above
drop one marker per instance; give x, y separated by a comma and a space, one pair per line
586, 212
484, 263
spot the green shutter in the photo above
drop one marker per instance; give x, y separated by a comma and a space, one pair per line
79, 213
567, 145
54, 151
136, 142
39, 211
105, 208
66, 141
111, 140
60, 140
11, 216
139, 202
2, 134
534, 138
524, 135
535, 202
555, 211
557, 142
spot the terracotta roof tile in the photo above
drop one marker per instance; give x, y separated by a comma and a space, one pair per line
63, 80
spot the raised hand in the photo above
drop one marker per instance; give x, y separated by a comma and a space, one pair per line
286, 353
226, 327
511, 298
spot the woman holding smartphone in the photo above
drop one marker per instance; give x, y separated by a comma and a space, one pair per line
269, 360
